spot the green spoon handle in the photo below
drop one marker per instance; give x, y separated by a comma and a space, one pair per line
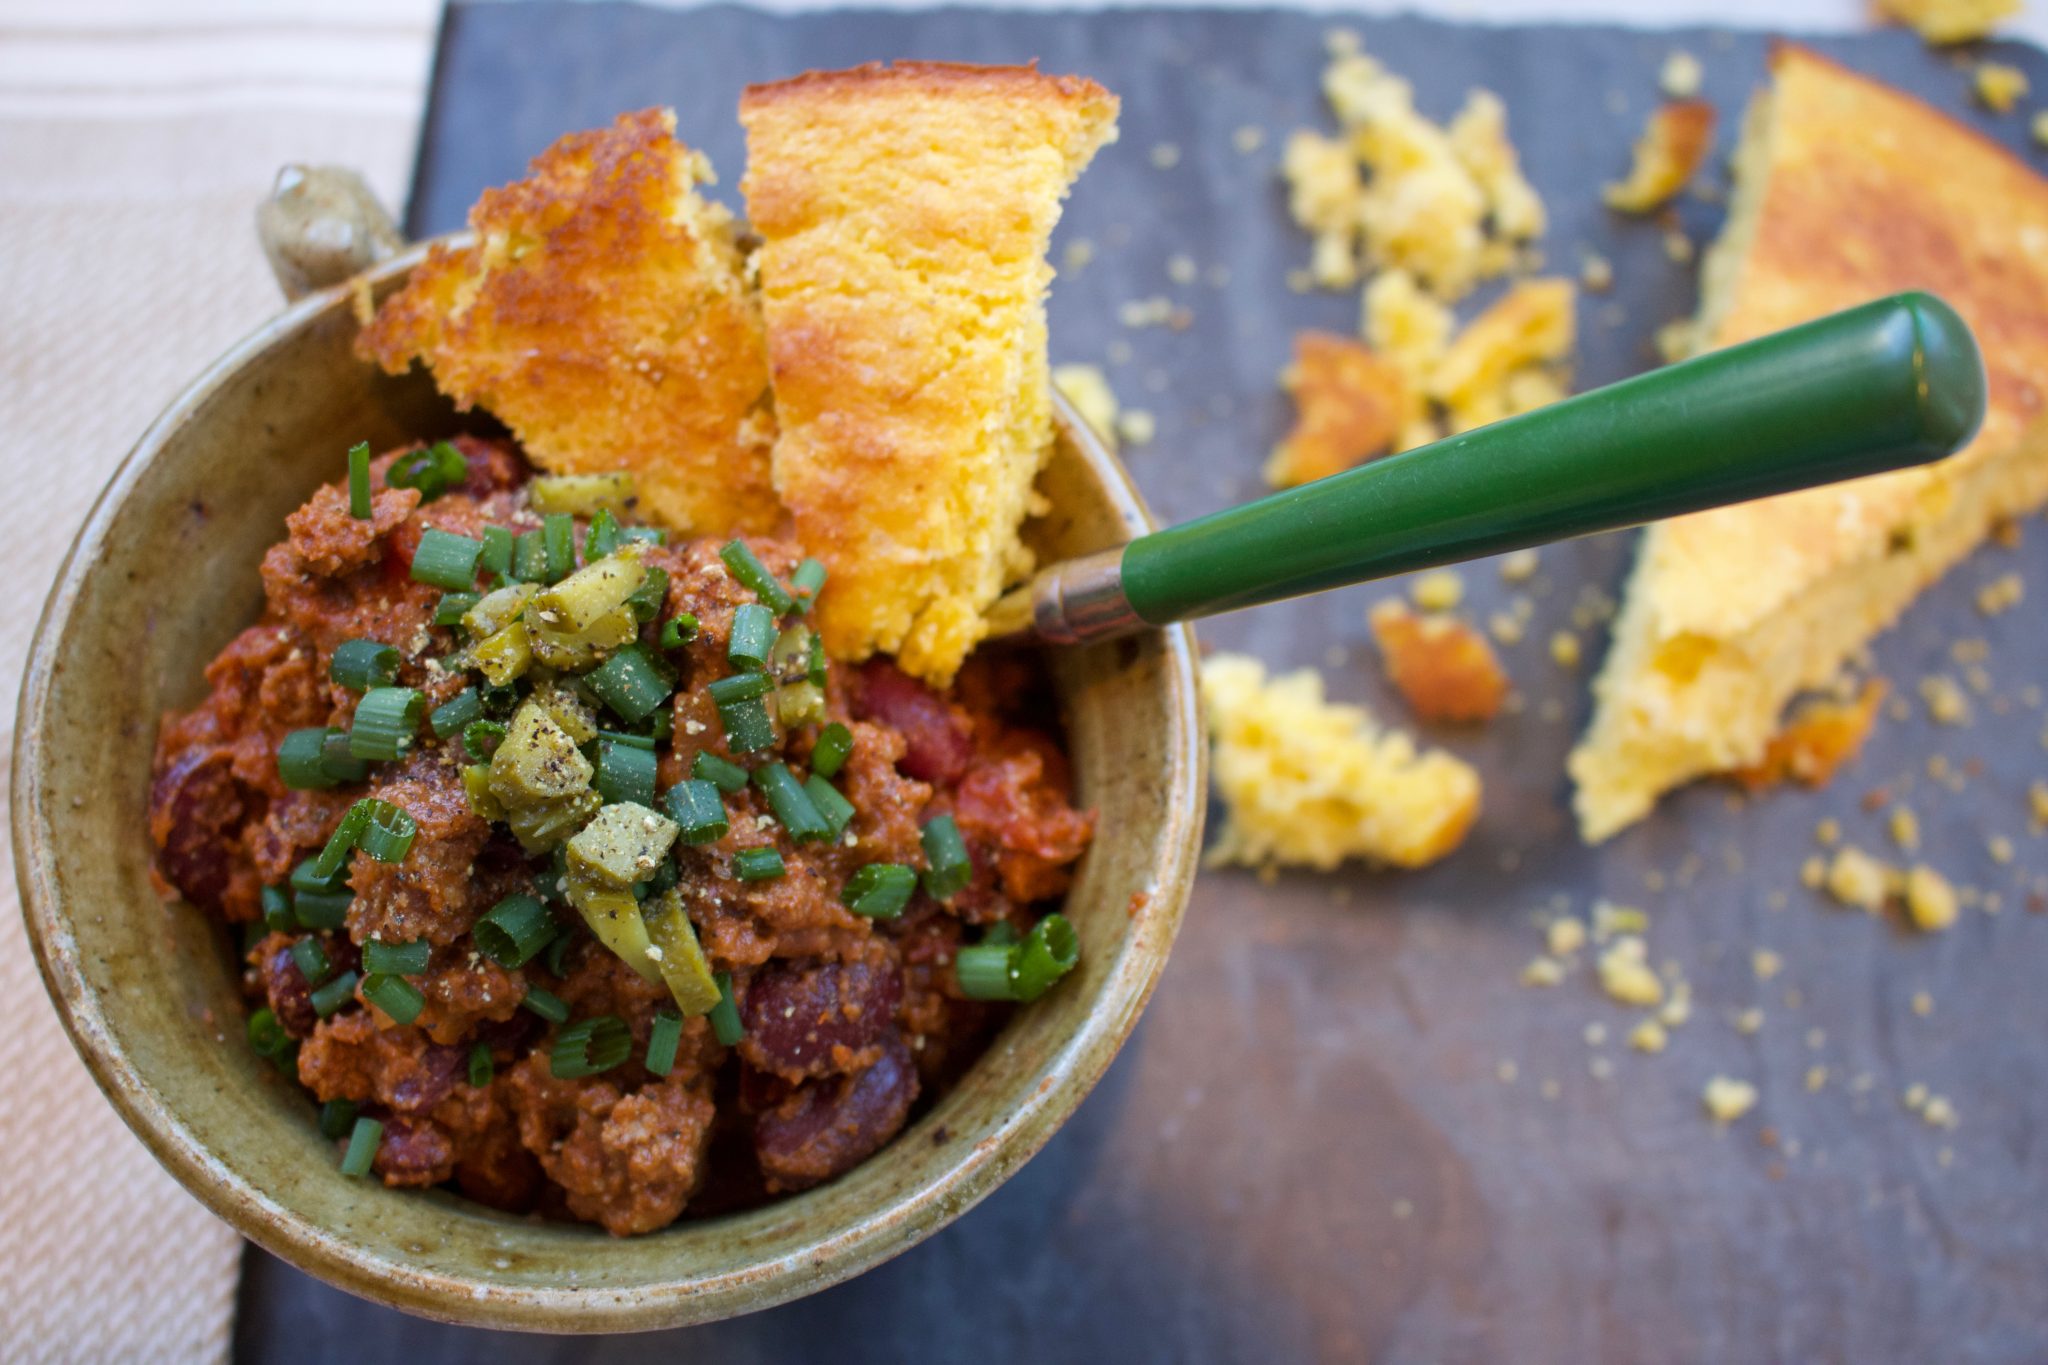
1892, 383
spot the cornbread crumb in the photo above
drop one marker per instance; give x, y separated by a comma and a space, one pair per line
1507, 360
2037, 801
1543, 971
1136, 427
1519, 566
1681, 75
1821, 736
1165, 156
1728, 1099
2001, 594
1610, 920
1442, 666
1816, 1079
1674, 142
1312, 782
1828, 831
2039, 125
1946, 702
1677, 1009
1181, 269
1439, 590
1248, 138
1939, 1112
1749, 1022
1350, 405
1648, 1036
1923, 1004
1857, 879
1079, 253
1905, 829
1412, 331
2001, 849
1625, 973
1595, 1034
1087, 388
1565, 936
1505, 1071
1930, 900
1765, 963
1564, 649
1999, 86
1948, 21
1596, 273
1504, 627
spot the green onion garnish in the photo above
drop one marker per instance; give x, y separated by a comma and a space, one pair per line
747, 727
480, 738
662, 1040
835, 810
753, 635
590, 1046
678, 630
630, 683
1047, 953
334, 994
432, 469
363, 1142
302, 762
386, 832
985, 971
740, 687
603, 536
311, 876
459, 711
806, 581
360, 665
529, 558
558, 546
791, 804
698, 810
496, 556
752, 573
386, 720
829, 754
337, 1117
725, 1015
446, 560
267, 1037
948, 869
557, 960
633, 738
758, 865
450, 610
648, 598
724, 774
879, 890
397, 959
342, 765
277, 910
332, 859
359, 481
625, 772
547, 1005
820, 666
513, 930
312, 960
322, 909
481, 1067
394, 995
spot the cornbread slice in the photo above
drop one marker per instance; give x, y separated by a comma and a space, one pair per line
904, 213
1949, 21
1732, 612
601, 313
1310, 782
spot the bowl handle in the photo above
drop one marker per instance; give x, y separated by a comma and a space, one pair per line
320, 225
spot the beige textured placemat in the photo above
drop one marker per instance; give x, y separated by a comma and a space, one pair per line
135, 141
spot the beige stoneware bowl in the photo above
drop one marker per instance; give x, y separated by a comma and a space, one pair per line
164, 574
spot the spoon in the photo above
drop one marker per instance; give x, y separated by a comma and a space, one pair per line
1882, 386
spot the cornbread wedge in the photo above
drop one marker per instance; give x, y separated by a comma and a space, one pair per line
1846, 191
601, 313
904, 213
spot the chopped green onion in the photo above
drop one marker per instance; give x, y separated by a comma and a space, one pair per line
481, 1067
1047, 953
645, 535
359, 481
387, 830
277, 910
727, 776
835, 810
806, 581
725, 1015
758, 865
557, 960
446, 560
625, 772
312, 960
828, 755
590, 1046
302, 760
662, 1041
948, 869
747, 727
496, 556
752, 573
603, 536
322, 909
740, 687
363, 1142
480, 738
513, 930
647, 599
500, 700
342, 765
879, 890
332, 859
267, 1037
309, 875
630, 683
547, 1005
432, 469
558, 546
450, 610
698, 811
819, 665
529, 558
336, 1118
678, 630
664, 877
394, 995
636, 740
985, 971
334, 994
753, 635
360, 665
397, 959
386, 720
792, 806
459, 711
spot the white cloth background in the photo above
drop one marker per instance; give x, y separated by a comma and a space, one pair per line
136, 137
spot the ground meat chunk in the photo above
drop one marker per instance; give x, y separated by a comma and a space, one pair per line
327, 540
814, 1019
828, 1127
629, 1162
1013, 809
350, 1058
431, 894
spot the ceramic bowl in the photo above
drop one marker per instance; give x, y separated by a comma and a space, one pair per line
164, 574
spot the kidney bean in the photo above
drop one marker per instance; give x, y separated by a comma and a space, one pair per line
817, 1019
415, 1151
430, 1079
290, 997
939, 746
194, 804
828, 1127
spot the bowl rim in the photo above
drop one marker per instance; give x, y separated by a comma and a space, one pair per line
1052, 1092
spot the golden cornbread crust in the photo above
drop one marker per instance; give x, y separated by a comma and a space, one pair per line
1847, 191
905, 212
602, 314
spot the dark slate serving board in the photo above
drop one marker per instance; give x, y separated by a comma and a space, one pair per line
1306, 1151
